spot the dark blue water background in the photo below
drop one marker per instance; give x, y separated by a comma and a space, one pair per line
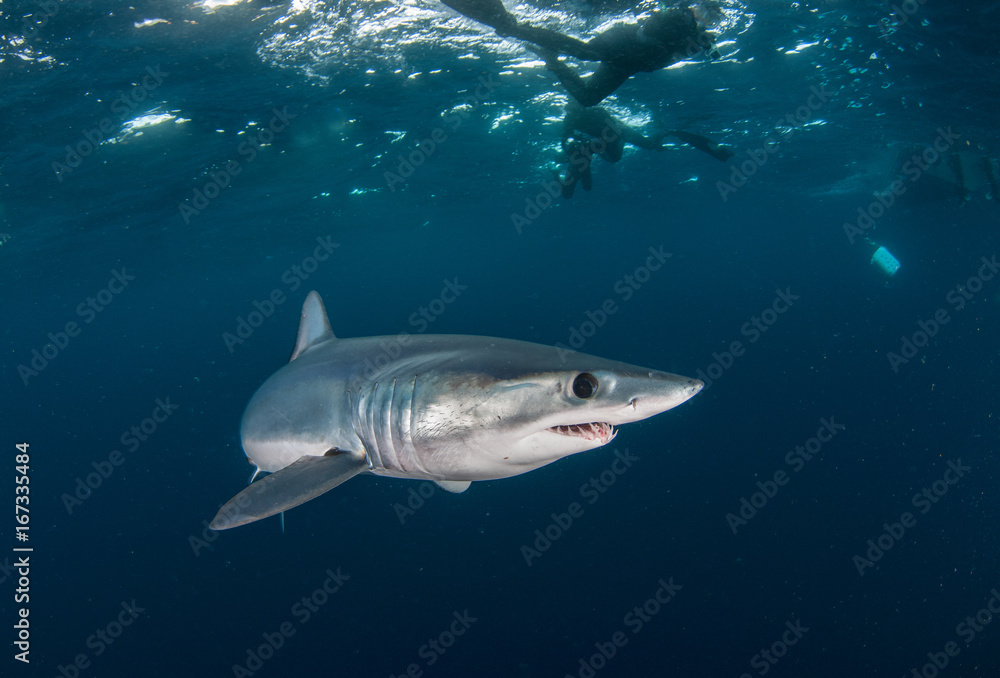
366, 82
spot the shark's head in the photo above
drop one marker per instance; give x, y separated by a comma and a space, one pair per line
520, 406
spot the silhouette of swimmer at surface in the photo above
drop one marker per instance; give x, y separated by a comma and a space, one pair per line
594, 131
664, 38
580, 155
600, 126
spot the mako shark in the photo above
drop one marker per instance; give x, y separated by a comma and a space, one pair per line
446, 408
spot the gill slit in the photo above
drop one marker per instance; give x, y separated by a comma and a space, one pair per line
409, 444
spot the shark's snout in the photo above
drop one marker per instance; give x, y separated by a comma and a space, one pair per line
662, 391
688, 389
694, 387
676, 383
635, 394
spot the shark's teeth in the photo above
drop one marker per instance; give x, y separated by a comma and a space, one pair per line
598, 431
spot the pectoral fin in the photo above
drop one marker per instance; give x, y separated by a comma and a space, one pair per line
295, 484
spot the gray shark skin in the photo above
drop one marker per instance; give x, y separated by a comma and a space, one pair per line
446, 408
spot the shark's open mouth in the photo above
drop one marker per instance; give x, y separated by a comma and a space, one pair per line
599, 431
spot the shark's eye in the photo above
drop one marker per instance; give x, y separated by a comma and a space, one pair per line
585, 385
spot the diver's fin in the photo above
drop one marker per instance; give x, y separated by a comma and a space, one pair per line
955, 161
296, 484
703, 144
568, 184
489, 12
314, 327
456, 486
991, 178
586, 178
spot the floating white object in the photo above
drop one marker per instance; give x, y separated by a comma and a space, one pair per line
884, 260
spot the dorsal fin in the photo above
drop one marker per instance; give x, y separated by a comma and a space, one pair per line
314, 327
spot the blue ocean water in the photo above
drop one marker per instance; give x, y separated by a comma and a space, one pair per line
173, 172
